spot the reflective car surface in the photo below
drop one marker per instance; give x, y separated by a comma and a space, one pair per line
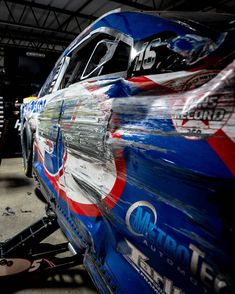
132, 142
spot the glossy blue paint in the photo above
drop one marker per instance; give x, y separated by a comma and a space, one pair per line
172, 229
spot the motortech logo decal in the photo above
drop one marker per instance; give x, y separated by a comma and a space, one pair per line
188, 260
143, 222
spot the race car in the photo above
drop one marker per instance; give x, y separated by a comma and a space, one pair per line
132, 143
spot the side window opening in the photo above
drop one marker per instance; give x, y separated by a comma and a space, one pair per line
75, 68
78, 60
75, 75
54, 79
119, 61
101, 55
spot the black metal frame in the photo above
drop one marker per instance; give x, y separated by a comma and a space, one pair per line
27, 245
18, 33
40, 34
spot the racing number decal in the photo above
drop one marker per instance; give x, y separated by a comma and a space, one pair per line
147, 56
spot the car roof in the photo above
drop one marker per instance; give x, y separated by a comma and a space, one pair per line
140, 25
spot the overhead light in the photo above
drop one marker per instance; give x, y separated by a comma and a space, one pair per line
36, 54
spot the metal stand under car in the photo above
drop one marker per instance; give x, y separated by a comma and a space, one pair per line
23, 254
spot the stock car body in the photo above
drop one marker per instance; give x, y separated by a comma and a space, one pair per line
132, 143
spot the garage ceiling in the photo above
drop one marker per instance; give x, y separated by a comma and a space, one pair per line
51, 25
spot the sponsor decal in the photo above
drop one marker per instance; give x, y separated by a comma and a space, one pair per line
199, 79
204, 116
142, 224
160, 284
187, 81
189, 261
34, 106
203, 113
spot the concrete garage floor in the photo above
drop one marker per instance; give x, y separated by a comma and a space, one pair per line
19, 207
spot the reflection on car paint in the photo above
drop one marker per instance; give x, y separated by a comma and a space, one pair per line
142, 167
